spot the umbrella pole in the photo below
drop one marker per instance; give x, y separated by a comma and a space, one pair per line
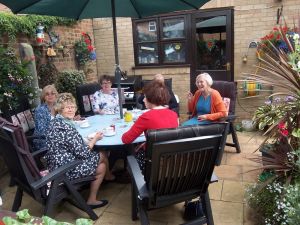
117, 70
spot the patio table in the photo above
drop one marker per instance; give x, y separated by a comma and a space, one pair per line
99, 122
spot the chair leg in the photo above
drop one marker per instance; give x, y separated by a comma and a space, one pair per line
234, 138
80, 200
50, 199
207, 208
143, 214
134, 210
17, 200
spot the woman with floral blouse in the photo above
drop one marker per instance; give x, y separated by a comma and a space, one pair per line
65, 145
106, 101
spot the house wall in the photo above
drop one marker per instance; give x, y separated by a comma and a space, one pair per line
251, 22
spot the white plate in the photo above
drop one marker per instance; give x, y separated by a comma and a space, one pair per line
79, 122
109, 134
84, 125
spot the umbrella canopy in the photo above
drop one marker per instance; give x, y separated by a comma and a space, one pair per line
85, 9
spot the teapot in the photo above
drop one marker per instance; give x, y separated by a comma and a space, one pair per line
128, 116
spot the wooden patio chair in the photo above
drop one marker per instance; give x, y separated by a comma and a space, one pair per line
26, 174
179, 166
229, 90
84, 94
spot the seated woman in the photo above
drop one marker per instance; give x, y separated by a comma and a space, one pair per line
43, 114
65, 145
106, 101
172, 103
207, 104
159, 116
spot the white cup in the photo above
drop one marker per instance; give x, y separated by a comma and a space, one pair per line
109, 131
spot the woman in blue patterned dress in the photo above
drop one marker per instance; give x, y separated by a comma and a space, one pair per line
43, 115
65, 144
105, 101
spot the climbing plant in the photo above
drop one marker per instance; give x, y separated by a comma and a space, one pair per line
13, 25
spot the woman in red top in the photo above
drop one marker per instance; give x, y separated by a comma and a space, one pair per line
158, 116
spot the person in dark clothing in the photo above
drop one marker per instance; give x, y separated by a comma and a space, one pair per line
173, 104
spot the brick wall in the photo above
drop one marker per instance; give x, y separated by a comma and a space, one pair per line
251, 22
68, 36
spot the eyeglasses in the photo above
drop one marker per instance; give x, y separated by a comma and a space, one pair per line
50, 93
106, 82
70, 107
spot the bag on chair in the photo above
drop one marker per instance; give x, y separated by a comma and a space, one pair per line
193, 210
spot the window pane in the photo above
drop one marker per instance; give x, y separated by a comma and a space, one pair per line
173, 28
147, 53
174, 52
146, 31
211, 43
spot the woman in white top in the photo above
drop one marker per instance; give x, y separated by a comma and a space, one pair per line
105, 101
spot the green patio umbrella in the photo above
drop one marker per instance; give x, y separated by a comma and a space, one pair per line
87, 9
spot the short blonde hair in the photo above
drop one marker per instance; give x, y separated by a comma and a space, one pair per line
206, 77
62, 99
47, 88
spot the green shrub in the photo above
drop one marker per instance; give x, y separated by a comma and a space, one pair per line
68, 80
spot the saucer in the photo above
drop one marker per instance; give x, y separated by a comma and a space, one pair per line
109, 134
80, 122
84, 125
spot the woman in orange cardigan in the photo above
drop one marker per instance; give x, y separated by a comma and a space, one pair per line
207, 104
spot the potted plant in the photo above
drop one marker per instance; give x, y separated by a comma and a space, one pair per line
276, 195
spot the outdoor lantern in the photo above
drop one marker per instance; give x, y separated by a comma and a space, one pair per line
40, 34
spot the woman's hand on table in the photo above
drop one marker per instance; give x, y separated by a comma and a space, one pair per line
100, 112
98, 136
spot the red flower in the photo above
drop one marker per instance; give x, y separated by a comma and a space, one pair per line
83, 34
278, 37
284, 132
90, 48
281, 125
87, 41
275, 28
284, 29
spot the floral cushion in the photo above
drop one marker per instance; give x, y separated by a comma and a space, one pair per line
226, 103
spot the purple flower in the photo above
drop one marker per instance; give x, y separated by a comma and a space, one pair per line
289, 98
269, 102
277, 99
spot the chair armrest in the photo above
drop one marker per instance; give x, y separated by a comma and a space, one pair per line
137, 177
214, 178
59, 172
231, 117
42, 151
32, 137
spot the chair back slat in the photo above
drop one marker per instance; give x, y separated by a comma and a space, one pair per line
86, 90
180, 162
16, 154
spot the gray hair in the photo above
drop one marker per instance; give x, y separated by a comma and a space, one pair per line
62, 99
206, 77
51, 88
